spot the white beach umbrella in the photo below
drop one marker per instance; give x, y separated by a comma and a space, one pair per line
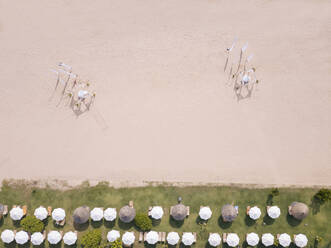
188, 238
172, 238
157, 212
37, 238
110, 214
41, 213
214, 239
254, 213
246, 79
82, 94
252, 239
96, 214
205, 213
274, 212
113, 235
58, 214
284, 240
70, 238
7, 236
232, 239
128, 238
152, 237
267, 239
21, 237
54, 237
16, 213
301, 240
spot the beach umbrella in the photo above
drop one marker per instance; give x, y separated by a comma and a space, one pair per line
267, 239
157, 213
82, 94
96, 214
113, 235
298, 210
300, 240
41, 213
246, 79
188, 238
254, 213
58, 214
16, 213
37, 238
205, 213
128, 238
252, 239
7, 236
81, 215
214, 239
127, 214
152, 237
232, 240
172, 238
54, 237
110, 214
229, 213
179, 212
70, 238
284, 240
274, 212
21, 237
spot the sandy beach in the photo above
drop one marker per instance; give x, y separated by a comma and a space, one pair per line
164, 109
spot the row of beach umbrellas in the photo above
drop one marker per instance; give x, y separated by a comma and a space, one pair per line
37, 238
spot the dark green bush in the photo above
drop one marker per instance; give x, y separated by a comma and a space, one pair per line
323, 195
275, 192
31, 224
143, 222
91, 239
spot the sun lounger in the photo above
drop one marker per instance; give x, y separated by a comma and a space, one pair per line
25, 210
171, 209
224, 237
61, 232
164, 237
278, 236
44, 234
49, 210
145, 234
195, 237
15, 232
5, 210
289, 209
131, 204
247, 209
141, 237
149, 210
237, 209
268, 207
187, 211
160, 236
294, 236
61, 223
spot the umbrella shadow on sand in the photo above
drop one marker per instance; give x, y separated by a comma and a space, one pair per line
292, 221
175, 223
267, 220
249, 221
125, 226
96, 224
223, 224
81, 227
110, 224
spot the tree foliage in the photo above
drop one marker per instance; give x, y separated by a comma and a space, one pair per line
91, 239
31, 224
143, 222
323, 195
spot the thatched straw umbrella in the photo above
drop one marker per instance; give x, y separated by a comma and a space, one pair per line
229, 213
81, 215
127, 214
298, 210
179, 212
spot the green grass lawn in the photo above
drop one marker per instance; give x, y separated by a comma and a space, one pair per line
317, 223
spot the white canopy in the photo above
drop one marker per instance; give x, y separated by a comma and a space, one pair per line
284, 240
205, 213
214, 239
54, 237
110, 214
254, 213
40, 213
267, 239
37, 238
252, 239
157, 212
172, 238
16, 213
301, 240
82, 94
96, 214
246, 79
21, 237
7, 236
113, 235
188, 238
70, 238
152, 237
232, 239
128, 238
58, 214
274, 212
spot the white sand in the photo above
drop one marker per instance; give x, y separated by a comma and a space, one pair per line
163, 110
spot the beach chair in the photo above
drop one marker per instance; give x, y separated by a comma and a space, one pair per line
224, 237
187, 211
14, 232
294, 236
247, 209
171, 208
195, 237
44, 234
61, 223
164, 237
61, 232
160, 236
289, 210
278, 236
237, 209
145, 235
5, 209
25, 210
268, 207
49, 210
141, 237
149, 210
131, 204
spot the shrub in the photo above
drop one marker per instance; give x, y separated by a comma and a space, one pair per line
116, 244
275, 192
143, 222
318, 239
31, 224
91, 239
323, 195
